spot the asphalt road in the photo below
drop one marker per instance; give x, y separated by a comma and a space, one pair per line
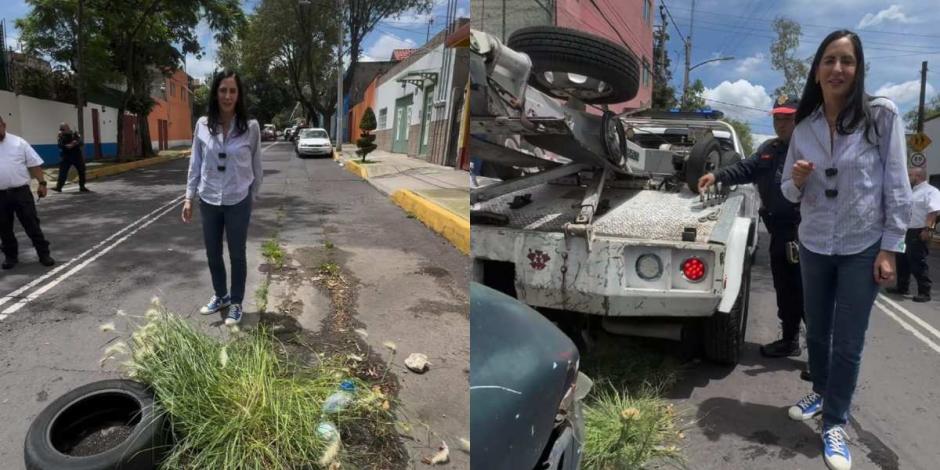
124, 243
736, 417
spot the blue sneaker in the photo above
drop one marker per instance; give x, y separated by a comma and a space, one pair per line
234, 316
215, 304
835, 450
807, 407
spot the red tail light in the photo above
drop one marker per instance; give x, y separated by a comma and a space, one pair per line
693, 269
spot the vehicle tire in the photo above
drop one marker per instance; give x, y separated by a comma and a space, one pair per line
724, 332
94, 407
563, 50
706, 156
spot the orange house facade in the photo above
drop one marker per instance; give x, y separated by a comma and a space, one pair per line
170, 121
359, 110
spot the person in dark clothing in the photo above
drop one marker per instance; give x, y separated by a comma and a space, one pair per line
70, 145
18, 164
781, 217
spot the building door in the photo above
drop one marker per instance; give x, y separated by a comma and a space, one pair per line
400, 129
96, 132
426, 109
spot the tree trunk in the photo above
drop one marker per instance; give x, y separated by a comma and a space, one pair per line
143, 129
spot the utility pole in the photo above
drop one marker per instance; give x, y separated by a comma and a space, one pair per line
339, 79
923, 85
688, 54
79, 69
662, 41
428, 36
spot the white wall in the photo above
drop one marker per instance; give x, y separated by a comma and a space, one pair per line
390, 90
38, 121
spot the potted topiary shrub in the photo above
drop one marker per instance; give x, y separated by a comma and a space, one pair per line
366, 142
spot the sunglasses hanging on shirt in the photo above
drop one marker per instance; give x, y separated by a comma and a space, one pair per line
222, 156
830, 172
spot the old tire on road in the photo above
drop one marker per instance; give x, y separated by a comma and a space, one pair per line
98, 408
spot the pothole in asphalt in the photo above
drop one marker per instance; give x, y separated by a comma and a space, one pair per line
322, 269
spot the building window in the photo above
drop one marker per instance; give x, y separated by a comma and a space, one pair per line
646, 11
646, 73
383, 118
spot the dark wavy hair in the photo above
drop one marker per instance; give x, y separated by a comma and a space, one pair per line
241, 113
857, 110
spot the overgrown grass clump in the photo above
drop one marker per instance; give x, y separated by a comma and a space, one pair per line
628, 424
241, 404
626, 432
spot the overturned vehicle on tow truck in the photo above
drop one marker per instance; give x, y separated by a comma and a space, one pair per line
604, 218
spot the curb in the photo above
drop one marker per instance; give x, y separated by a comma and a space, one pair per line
125, 167
356, 169
449, 225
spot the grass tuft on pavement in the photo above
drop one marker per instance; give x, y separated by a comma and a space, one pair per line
242, 403
624, 431
272, 252
628, 424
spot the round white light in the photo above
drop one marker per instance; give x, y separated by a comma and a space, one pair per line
649, 267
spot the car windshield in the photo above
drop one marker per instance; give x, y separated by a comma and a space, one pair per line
313, 134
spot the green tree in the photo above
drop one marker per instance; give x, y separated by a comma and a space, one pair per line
743, 130
783, 57
664, 95
290, 43
694, 98
129, 42
366, 142
931, 109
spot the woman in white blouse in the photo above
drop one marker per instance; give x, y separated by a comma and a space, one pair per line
225, 171
846, 167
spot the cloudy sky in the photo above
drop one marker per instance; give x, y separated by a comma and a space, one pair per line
406, 31
896, 35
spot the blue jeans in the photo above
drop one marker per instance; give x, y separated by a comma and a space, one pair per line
232, 223
839, 292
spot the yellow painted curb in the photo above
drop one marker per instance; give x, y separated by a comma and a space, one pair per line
119, 168
454, 228
357, 169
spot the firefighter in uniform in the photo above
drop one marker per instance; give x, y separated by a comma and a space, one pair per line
781, 217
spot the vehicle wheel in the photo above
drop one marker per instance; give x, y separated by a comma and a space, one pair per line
73, 431
724, 332
562, 68
705, 157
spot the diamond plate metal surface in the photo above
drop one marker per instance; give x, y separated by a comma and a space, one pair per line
638, 214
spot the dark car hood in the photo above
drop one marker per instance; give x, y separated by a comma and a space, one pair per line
520, 367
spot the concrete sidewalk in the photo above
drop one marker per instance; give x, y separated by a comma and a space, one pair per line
436, 195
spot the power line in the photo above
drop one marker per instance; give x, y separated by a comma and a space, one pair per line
674, 24
624, 41
738, 105
829, 27
872, 45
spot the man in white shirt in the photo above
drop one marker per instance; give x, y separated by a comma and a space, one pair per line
19, 162
925, 204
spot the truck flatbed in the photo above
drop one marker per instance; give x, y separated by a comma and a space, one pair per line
633, 213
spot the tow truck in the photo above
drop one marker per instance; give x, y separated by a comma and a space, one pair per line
600, 221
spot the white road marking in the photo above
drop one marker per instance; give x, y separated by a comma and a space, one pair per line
910, 315
908, 327
13, 295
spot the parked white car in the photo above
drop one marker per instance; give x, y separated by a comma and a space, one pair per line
314, 142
